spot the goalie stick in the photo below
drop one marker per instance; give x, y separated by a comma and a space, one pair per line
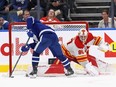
18, 59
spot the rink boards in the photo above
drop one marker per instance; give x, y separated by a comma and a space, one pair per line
19, 39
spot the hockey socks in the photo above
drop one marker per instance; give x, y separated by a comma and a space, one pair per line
35, 61
66, 63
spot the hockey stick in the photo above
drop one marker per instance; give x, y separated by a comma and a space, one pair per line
18, 60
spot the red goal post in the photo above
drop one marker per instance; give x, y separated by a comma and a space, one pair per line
16, 29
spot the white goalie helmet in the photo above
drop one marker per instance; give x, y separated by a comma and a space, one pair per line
83, 34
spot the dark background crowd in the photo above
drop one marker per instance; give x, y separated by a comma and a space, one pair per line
49, 10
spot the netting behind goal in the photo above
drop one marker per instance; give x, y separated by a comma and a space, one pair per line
18, 37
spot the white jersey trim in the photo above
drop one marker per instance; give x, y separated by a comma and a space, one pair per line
45, 31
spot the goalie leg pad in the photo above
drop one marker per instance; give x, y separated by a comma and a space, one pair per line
91, 69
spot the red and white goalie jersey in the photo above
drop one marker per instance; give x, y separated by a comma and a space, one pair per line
77, 48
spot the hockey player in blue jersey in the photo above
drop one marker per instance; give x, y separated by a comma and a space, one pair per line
44, 37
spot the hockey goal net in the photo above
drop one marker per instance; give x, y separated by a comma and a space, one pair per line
18, 37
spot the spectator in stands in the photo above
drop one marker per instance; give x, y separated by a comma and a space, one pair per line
43, 4
60, 6
4, 8
26, 14
18, 7
115, 9
110, 9
33, 7
71, 5
32, 4
106, 22
3, 24
50, 17
20, 4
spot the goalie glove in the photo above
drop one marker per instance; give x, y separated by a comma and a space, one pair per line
90, 69
104, 47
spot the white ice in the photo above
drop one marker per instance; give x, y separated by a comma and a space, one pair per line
76, 81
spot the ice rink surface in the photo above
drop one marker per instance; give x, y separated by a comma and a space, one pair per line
62, 81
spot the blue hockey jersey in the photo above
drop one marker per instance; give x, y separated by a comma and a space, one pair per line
37, 27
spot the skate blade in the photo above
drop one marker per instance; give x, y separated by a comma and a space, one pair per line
31, 76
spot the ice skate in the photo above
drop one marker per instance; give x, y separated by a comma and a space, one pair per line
33, 74
69, 72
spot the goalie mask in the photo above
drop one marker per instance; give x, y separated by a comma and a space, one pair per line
83, 35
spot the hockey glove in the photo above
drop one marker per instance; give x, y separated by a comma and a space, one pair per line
104, 47
25, 48
30, 33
